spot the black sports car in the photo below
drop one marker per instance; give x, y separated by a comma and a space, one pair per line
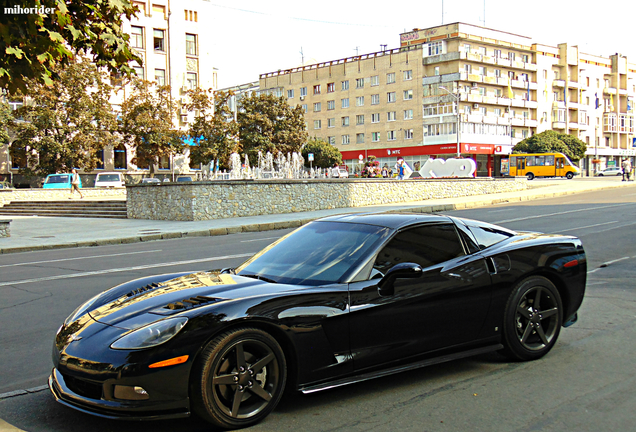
339, 300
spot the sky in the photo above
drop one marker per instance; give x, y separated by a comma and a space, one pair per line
253, 37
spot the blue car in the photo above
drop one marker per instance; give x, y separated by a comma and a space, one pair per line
59, 181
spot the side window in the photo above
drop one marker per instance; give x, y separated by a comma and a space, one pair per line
488, 236
425, 245
467, 238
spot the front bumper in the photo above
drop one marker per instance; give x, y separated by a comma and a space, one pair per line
67, 392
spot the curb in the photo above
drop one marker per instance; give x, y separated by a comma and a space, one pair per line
271, 226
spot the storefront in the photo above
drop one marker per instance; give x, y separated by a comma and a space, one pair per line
415, 157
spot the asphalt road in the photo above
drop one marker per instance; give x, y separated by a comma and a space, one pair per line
585, 384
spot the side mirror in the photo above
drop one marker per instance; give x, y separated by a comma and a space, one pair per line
400, 271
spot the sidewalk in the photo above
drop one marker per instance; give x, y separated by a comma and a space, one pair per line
32, 233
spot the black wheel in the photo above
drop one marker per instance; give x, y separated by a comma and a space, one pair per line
569, 176
530, 176
600, 175
239, 378
532, 319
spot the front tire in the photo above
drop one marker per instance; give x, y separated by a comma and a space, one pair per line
569, 176
530, 176
532, 319
239, 378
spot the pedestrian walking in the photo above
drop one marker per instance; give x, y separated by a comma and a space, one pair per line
75, 182
627, 169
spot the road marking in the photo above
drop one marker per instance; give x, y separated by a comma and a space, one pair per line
124, 269
266, 238
79, 258
605, 264
587, 226
561, 213
502, 210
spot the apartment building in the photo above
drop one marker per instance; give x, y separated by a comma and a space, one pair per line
174, 44
465, 90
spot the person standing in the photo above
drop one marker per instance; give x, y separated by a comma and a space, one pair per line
400, 169
627, 169
75, 184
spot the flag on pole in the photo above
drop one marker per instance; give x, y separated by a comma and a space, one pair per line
510, 93
597, 101
611, 102
528, 94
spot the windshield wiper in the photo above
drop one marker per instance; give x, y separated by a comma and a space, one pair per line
255, 276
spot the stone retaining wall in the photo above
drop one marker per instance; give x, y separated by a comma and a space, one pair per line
8, 195
4, 228
227, 199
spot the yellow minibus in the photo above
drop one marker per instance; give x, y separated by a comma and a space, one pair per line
542, 165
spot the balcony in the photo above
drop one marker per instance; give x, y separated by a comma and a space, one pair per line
578, 126
519, 103
489, 99
490, 119
474, 98
609, 90
558, 83
558, 125
531, 123
573, 84
532, 104
490, 80
517, 121
474, 78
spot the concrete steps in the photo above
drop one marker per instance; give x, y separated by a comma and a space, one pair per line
69, 208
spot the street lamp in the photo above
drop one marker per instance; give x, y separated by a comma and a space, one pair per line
456, 97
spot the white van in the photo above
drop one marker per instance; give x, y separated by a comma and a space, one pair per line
110, 180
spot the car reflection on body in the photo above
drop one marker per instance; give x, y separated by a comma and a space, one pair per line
337, 301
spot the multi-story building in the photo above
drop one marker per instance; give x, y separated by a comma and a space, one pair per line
465, 90
174, 43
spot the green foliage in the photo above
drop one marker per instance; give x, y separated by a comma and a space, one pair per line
268, 124
325, 155
553, 142
214, 128
64, 125
35, 46
5, 121
146, 124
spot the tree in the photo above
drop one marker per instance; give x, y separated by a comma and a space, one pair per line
146, 124
325, 155
269, 124
214, 129
5, 121
66, 124
551, 141
36, 44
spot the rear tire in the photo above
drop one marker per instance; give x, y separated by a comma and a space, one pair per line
239, 378
532, 319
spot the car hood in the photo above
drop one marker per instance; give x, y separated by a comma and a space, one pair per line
152, 302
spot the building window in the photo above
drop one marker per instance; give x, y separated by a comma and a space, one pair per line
511, 56
160, 77
290, 94
408, 75
317, 107
497, 112
375, 118
408, 133
436, 71
331, 105
482, 111
191, 44
360, 138
120, 159
482, 71
164, 163
331, 122
303, 91
344, 103
498, 92
408, 94
360, 119
137, 37
345, 139
191, 15
191, 79
18, 156
332, 140
159, 40
139, 70
390, 116
525, 58
466, 48
482, 51
345, 121
331, 87
375, 99
497, 53
435, 48
317, 89
390, 136
390, 78
375, 136
497, 73
375, 80
390, 97
360, 101
344, 85
359, 82
159, 10
304, 108
317, 124
408, 114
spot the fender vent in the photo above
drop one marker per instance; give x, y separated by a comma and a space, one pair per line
143, 289
191, 302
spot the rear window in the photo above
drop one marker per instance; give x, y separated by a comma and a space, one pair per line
489, 235
58, 179
108, 177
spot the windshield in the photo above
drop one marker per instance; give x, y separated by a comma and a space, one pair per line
58, 179
108, 178
319, 253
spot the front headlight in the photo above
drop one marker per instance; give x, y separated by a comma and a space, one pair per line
151, 335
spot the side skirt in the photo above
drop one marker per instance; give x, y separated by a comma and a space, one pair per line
398, 369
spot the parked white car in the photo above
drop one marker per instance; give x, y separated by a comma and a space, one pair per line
110, 180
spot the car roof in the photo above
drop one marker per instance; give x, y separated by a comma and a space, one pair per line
388, 220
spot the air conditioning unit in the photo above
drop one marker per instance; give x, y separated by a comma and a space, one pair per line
474, 84
183, 110
184, 118
184, 89
475, 106
302, 98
